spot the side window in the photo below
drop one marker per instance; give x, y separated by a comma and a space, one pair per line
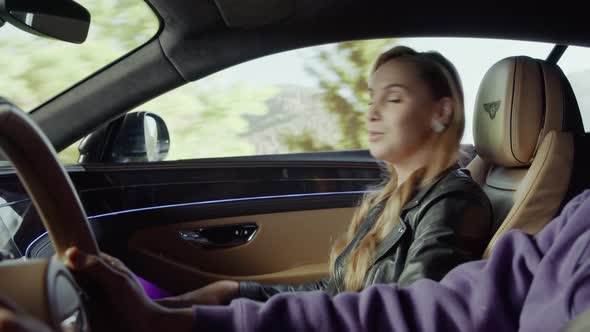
305, 100
576, 67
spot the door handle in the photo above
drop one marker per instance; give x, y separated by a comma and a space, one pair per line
220, 236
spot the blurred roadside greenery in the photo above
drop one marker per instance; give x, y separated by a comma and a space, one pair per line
205, 118
36, 69
343, 72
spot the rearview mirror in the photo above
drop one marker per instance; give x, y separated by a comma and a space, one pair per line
60, 19
134, 137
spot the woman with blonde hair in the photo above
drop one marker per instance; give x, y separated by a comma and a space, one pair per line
427, 216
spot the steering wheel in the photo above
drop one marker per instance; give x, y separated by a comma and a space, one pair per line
45, 288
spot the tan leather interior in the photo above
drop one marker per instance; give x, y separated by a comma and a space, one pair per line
541, 192
26, 284
524, 123
290, 247
45, 180
509, 112
44, 288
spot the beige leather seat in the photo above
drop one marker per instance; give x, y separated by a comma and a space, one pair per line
526, 125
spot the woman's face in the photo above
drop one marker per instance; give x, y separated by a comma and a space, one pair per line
402, 108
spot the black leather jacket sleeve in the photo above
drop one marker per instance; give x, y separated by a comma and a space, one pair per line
258, 292
447, 233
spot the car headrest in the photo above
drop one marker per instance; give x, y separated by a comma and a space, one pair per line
519, 100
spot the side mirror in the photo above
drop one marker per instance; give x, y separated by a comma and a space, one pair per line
60, 19
134, 137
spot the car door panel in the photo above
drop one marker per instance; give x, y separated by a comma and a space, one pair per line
289, 247
306, 200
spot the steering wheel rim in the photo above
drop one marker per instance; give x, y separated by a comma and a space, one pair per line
45, 180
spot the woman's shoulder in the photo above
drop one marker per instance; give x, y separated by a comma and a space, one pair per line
454, 186
455, 183
458, 181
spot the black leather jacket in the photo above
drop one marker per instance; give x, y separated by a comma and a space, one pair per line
446, 223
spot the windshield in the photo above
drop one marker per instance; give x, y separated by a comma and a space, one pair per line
36, 69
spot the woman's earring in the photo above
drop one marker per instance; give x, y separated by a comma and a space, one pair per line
438, 127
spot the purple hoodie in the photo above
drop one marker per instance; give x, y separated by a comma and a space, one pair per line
529, 284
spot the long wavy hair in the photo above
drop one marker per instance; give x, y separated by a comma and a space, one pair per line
442, 79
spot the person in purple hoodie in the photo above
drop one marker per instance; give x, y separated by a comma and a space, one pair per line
529, 283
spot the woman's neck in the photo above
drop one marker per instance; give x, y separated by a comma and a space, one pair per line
404, 168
